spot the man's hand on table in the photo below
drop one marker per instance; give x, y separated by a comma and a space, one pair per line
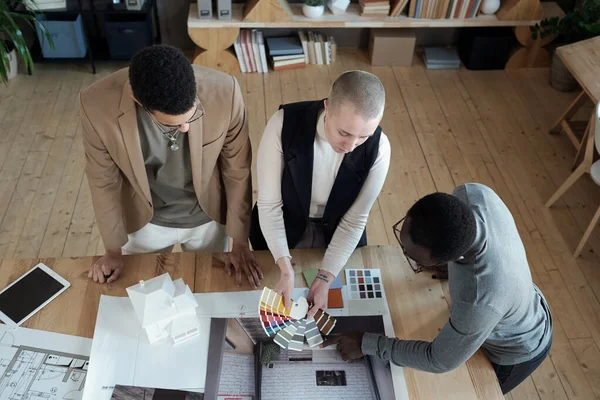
108, 267
348, 344
241, 259
319, 292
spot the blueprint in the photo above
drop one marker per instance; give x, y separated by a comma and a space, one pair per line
29, 370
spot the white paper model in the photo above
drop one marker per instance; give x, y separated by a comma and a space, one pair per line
165, 308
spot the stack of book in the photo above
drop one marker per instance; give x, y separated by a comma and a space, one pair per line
318, 49
374, 7
250, 51
441, 58
444, 9
286, 53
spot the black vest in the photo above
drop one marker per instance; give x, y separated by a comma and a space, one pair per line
297, 139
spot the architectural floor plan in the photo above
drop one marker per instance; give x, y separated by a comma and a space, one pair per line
30, 373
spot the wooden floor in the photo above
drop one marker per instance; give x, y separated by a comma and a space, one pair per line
445, 127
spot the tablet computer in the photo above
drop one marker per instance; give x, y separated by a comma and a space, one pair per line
28, 294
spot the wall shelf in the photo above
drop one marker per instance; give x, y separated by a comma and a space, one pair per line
353, 19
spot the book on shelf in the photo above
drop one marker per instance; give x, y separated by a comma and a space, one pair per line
249, 49
440, 9
319, 49
287, 52
376, 7
304, 40
333, 48
441, 58
281, 46
255, 52
263, 52
237, 46
397, 6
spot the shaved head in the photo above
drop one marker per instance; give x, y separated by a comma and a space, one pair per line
361, 90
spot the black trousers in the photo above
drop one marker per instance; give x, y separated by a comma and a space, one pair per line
510, 376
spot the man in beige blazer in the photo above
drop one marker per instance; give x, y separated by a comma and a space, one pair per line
168, 162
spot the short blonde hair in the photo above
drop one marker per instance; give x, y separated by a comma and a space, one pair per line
362, 90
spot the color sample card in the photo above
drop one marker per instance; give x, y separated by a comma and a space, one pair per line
297, 341
335, 299
283, 337
364, 284
325, 322
272, 301
311, 274
290, 327
313, 337
273, 323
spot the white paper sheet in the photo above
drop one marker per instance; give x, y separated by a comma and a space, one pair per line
121, 354
42, 364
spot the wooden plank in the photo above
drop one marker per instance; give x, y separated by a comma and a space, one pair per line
68, 190
408, 169
588, 355
80, 228
525, 391
306, 89
569, 370
59, 137
16, 107
20, 203
548, 383
273, 96
289, 86
95, 241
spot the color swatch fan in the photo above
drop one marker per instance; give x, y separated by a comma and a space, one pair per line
290, 326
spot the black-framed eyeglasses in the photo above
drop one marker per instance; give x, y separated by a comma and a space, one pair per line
415, 266
171, 129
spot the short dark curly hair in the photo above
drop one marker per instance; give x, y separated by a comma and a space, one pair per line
162, 79
443, 224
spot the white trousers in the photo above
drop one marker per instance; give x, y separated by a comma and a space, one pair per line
157, 239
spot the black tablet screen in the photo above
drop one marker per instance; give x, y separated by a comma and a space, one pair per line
33, 290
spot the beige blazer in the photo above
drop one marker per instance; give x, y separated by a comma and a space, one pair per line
220, 154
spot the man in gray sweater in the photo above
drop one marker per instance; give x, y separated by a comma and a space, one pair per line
495, 304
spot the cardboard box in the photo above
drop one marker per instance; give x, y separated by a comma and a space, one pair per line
393, 47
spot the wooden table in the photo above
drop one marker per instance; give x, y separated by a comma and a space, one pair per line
582, 59
417, 303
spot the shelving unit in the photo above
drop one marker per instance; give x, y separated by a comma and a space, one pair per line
97, 46
214, 37
352, 19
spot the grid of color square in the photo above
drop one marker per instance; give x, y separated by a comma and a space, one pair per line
364, 284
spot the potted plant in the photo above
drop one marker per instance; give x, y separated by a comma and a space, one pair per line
580, 24
313, 8
13, 15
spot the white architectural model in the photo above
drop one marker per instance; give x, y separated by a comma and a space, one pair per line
165, 308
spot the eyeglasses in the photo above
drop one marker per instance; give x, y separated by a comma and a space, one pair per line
415, 266
171, 129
